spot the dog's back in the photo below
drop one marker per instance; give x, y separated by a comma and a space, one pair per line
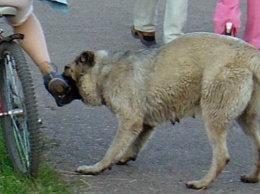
186, 65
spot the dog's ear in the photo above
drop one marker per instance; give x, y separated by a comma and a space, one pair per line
87, 58
100, 55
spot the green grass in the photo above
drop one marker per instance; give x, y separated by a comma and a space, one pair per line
11, 182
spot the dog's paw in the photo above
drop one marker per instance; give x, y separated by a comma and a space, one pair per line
88, 170
249, 179
125, 161
196, 185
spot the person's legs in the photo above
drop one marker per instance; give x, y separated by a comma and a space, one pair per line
252, 30
26, 23
145, 15
174, 19
34, 43
226, 11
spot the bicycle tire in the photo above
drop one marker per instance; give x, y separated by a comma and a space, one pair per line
21, 132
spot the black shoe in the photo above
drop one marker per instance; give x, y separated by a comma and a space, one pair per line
146, 38
55, 84
58, 87
73, 93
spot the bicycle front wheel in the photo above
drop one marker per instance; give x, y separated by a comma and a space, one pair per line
19, 117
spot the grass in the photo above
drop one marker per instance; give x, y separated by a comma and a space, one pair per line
11, 182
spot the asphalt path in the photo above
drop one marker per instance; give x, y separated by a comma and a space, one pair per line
79, 135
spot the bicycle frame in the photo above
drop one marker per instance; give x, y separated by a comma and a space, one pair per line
8, 11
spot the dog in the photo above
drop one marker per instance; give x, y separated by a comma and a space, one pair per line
214, 76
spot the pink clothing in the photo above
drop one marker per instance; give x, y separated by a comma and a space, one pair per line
229, 11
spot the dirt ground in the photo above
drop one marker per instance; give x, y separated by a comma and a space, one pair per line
76, 134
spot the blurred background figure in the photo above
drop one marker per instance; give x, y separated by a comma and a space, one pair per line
145, 16
227, 20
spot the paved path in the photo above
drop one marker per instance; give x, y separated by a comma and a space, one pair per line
77, 135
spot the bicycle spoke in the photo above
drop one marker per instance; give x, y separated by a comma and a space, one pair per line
21, 142
14, 83
15, 100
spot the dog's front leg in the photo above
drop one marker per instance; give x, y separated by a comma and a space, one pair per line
137, 145
126, 134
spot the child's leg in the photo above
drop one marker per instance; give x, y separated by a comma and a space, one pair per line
252, 30
25, 22
226, 11
34, 43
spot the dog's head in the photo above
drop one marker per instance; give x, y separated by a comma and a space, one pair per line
83, 64
78, 72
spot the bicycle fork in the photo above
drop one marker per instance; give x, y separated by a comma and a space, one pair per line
9, 38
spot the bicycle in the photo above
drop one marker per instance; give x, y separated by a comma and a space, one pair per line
18, 109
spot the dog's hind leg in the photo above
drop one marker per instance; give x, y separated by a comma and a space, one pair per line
249, 123
137, 145
128, 131
217, 135
225, 95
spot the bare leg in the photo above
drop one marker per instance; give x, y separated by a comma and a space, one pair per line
34, 43
137, 145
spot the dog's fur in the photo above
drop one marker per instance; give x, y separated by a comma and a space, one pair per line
214, 75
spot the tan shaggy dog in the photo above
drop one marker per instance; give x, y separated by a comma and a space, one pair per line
199, 73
